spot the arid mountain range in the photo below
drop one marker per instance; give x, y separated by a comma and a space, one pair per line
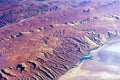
43, 39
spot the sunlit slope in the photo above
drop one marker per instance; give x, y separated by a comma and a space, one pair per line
42, 40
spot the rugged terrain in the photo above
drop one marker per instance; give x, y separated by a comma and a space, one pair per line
43, 39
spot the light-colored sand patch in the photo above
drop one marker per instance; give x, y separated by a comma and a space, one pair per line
97, 69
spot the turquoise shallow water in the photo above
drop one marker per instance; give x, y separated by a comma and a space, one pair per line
89, 57
102, 63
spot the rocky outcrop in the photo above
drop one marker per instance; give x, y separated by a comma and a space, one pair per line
40, 40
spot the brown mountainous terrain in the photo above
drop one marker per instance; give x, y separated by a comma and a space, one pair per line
43, 39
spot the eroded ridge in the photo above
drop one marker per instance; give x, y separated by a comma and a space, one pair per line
43, 56
40, 40
36, 54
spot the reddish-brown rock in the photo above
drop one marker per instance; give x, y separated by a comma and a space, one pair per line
41, 40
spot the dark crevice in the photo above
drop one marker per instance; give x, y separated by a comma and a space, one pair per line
49, 71
8, 74
40, 60
40, 77
32, 64
19, 34
45, 73
20, 67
